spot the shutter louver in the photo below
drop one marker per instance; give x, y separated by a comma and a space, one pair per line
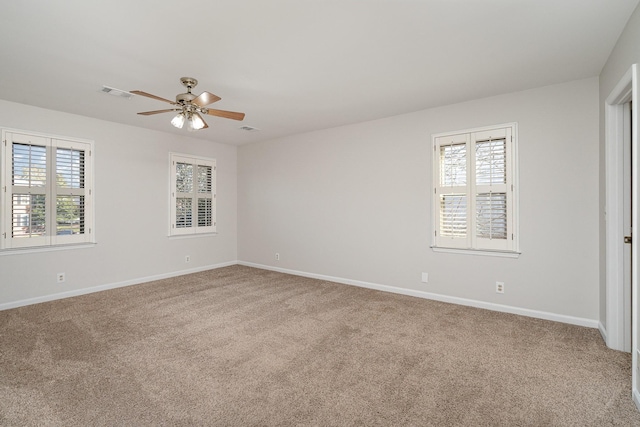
453, 215
29, 165
491, 162
28, 215
491, 215
453, 165
70, 199
183, 212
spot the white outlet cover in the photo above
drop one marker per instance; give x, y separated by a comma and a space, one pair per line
425, 277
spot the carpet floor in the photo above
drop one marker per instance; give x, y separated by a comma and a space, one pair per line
239, 346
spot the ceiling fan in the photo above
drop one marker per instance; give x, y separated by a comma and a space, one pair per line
190, 106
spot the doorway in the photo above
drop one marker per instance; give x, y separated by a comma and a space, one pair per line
621, 215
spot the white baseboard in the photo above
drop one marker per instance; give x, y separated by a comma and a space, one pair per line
636, 398
83, 291
590, 323
603, 331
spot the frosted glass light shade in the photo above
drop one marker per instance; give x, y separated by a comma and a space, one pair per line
195, 122
178, 121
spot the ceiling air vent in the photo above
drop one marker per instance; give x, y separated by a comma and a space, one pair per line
116, 92
248, 129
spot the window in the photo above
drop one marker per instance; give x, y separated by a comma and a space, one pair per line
47, 191
192, 195
474, 189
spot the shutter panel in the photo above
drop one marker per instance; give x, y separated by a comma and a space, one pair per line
491, 215
491, 198
29, 193
453, 215
71, 195
451, 193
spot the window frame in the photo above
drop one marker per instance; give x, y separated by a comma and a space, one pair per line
195, 195
51, 190
471, 243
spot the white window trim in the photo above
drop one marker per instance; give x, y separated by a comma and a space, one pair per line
467, 247
194, 230
51, 242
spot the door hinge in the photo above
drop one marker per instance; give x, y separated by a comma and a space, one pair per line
627, 239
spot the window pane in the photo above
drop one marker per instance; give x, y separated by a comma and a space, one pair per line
453, 215
28, 215
204, 212
183, 212
453, 165
491, 162
491, 215
29, 165
204, 179
69, 215
184, 178
69, 168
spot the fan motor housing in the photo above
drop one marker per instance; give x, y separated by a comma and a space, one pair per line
185, 98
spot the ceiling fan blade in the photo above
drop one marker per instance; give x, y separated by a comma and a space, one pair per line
148, 95
226, 114
206, 98
148, 113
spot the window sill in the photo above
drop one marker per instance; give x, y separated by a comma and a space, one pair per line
191, 236
482, 252
37, 249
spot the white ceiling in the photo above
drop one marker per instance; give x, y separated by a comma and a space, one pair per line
295, 65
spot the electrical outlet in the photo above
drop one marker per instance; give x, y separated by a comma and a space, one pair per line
187, 258
425, 277
60, 277
277, 256
500, 287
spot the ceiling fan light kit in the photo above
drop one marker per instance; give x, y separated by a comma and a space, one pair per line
190, 106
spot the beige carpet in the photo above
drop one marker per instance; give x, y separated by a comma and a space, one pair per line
240, 346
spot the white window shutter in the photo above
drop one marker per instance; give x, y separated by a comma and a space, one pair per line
452, 199
47, 185
192, 195
474, 176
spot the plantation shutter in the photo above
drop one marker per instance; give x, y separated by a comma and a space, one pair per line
192, 195
452, 199
492, 201
72, 191
27, 194
47, 191
474, 191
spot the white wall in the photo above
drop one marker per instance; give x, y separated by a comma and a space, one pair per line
354, 202
131, 200
625, 53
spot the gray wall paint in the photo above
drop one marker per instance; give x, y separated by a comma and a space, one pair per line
354, 202
131, 198
625, 54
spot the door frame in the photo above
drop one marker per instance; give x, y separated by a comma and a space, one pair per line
616, 327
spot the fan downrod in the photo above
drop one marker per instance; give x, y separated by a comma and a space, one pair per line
189, 83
